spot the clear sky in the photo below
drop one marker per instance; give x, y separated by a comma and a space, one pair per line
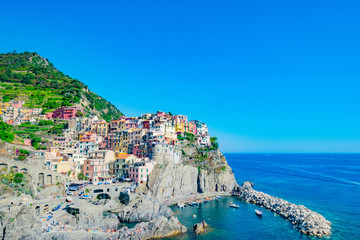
266, 76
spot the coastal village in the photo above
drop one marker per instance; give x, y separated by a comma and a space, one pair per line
72, 166
92, 149
67, 167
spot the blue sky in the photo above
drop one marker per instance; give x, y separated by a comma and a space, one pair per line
267, 76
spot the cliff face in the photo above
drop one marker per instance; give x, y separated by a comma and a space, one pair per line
19, 223
176, 180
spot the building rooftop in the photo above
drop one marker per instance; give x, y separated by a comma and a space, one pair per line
124, 156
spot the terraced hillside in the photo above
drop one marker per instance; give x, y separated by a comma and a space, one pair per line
32, 78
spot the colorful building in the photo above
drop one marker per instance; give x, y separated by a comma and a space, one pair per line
65, 113
140, 171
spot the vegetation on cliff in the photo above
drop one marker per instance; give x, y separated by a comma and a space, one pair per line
6, 134
32, 78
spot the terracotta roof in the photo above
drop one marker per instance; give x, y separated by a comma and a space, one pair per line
123, 156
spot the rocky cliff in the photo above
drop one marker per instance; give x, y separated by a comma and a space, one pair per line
143, 208
176, 180
19, 222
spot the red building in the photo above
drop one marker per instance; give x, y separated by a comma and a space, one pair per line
146, 124
49, 115
65, 112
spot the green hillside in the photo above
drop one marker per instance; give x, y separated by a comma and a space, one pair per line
32, 78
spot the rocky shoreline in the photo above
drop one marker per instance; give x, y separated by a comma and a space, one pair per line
307, 221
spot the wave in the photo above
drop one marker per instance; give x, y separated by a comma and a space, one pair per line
329, 178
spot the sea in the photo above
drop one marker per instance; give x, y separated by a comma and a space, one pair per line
325, 183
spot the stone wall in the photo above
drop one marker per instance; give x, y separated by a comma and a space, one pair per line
40, 176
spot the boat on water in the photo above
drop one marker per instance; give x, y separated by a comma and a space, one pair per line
259, 212
193, 203
233, 205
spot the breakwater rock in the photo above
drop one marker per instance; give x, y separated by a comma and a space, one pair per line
307, 221
157, 228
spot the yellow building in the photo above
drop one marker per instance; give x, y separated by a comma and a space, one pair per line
3, 106
179, 127
102, 129
122, 145
64, 167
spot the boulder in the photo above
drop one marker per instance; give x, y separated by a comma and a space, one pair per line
160, 227
20, 223
143, 208
200, 227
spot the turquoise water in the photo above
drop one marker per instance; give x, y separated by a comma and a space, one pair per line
326, 183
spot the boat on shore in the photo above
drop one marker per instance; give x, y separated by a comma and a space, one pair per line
181, 205
259, 212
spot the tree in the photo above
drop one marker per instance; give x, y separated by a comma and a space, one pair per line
5, 132
45, 123
35, 140
79, 114
214, 143
190, 137
81, 176
18, 178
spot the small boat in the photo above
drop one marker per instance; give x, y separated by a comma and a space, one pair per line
259, 212
193, 203
181, 205
233, 205
56, 208
194, 216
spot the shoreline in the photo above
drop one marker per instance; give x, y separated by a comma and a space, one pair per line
195, 197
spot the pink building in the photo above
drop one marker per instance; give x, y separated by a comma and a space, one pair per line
17, 104
49, 115
140, 171
65, 112
97, 170
180, 119
130, 124
160, 114
27, 142
137, 150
